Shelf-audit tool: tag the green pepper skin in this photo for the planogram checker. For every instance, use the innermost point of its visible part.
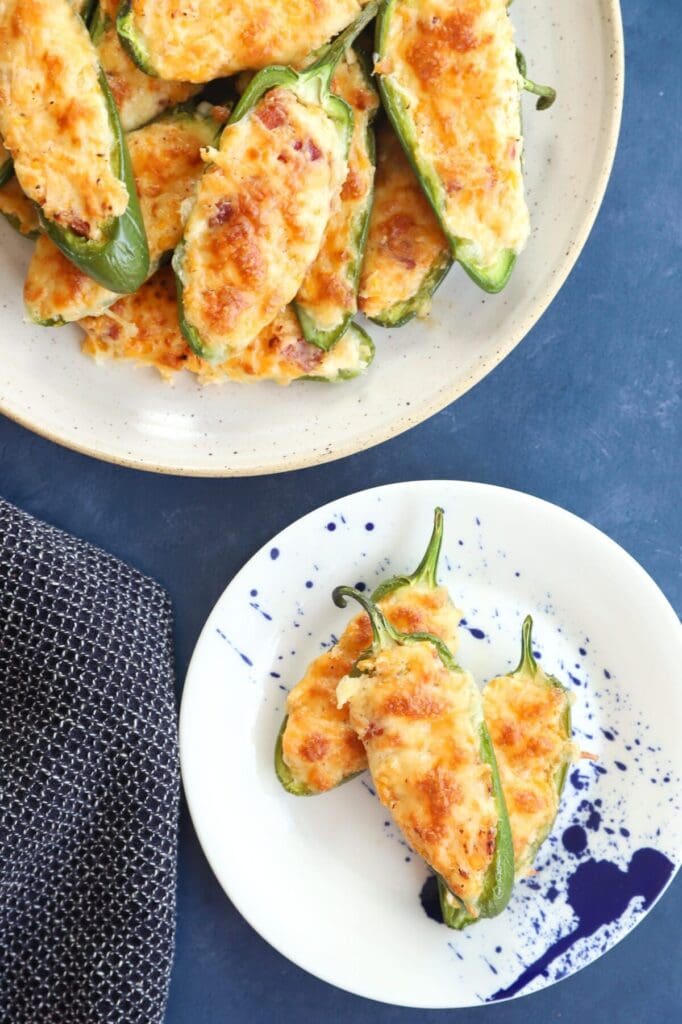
(499, 878)
(120, 262)
(125, 26)
(311, 85)
(312, 332)
(402, 312)
(366, 353)
(426, 574)
(6, 171)
(491, 277)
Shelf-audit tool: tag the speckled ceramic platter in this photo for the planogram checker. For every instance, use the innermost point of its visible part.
(128, 415)
(327, 879)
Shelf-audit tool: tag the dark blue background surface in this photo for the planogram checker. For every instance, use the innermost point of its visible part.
(585, 413)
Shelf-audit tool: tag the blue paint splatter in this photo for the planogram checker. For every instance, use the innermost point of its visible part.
(361, 586)
(619, 764)
(575, 839)
(275, 675)
(241, 654)
(274, 554)
(477, 633)
(607, 673)
(369, 527)
(599, 893)
(257, 608)
(331, 527)
(608, 734)
(309, 584)
(582, 651)
(254, 593)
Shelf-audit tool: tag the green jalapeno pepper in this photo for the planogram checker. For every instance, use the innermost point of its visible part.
(312, 88)
(327, 299)
(325, 671)
(18, 210)
(484, 891)
(6, 165)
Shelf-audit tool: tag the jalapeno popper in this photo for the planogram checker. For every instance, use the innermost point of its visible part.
(317, 748)
(144, 327)
(420, 720)
(263, 204)
(451, 86)
(528, 714)
(138, 97)
(59, 122)
(407, 255)
(211, 39)
(166, 161)
(18, 210)
(327, 299)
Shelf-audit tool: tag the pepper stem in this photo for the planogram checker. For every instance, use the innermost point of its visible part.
(527, 663)
(330, 55)
(546, 93)
(386, 635)
(427, 570)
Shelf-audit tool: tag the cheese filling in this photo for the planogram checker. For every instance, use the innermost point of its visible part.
(54, 117)
(454, 64)
(208, 39)
(419, 724)
(259, 218)
(15, 206)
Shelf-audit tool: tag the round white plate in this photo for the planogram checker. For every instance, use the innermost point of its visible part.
(128, 415)
(327, 880)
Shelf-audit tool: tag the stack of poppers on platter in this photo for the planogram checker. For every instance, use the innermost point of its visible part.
(239, 239)
(472, 778)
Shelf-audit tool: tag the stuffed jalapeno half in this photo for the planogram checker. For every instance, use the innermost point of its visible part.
(18, 210)
(406, 255)
(144, 328)
(213, 39)
(263, 203)
(166, 162)
(420, 720)
(317, 748)
(451, 86)
(327, 298)
(59, 122)
(528, 714)
(138, 97)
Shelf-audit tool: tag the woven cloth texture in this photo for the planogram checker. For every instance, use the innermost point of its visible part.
(89, 783)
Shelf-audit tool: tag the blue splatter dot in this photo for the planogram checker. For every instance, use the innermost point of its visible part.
(331, 527)
(478, 521)
(274, 554)
(309, 584)
(552, 893)
(387, 823)
(275, 675)
(582, 651)
(254, 593)
(517, 574)
(407, 860)
(537, 655)
(619, 764)
(575, 839)
(361, 586)
(461, 543)
(607, 673)
(498, 949)
(369, 527)
(608, 734)
(625, 832)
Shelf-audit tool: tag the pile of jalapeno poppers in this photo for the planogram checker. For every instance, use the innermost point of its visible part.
(473, 779)
(238, 238)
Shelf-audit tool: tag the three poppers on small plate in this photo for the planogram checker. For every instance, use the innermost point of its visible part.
(279, 228)
(473, 779)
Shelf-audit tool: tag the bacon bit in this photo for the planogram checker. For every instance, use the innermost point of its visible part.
(221, 114)
(399, 240)
(383, 66)
(313, 151)
(224, 210)
(304, 355)
(490, 842)
(298, 145)
(77, 225)
(283, 158)
(453, 186)
(587, 756)
(314, 748)
(372, 732)
(271, 113)
(113, 330)
(353, 185)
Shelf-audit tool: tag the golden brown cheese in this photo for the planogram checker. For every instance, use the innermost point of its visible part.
(54, 118)
(144, 327)
(419, 724)
(210, 39)
(405, 241)
(328, 289)
(20, 211)
(259, 218)
(166, 160)
(139, 97)
(526, 720)
(319, 745)
(455, 64)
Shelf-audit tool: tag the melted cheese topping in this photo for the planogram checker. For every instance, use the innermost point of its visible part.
(139, 97)
(54, 117)
(167, 164)
(319, 745)
(208, 39)
(15, 205)
(419, 724)
(328, 291)
(526, 718)
(454, 62)
(405, 242)
(260, 215)
(144, 327)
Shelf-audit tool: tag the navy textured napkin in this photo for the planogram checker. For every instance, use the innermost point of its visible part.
(89, 783)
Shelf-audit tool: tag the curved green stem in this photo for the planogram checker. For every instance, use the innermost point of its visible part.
(546, 93)
(426, 573)
(527, 664)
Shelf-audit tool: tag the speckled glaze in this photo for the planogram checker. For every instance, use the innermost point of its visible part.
(327, 880)
(127, 415)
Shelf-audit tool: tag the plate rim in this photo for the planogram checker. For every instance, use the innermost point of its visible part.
(612, 15)
(664, 608)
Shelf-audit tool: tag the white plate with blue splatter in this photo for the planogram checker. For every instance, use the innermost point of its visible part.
(327, 880)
